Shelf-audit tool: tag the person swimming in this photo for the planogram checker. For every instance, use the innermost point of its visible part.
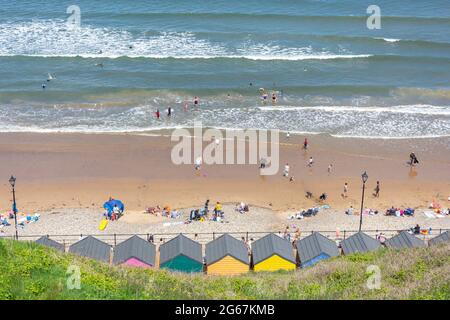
(157, 114)
(169, 111)
(196, 100)
(274, 98)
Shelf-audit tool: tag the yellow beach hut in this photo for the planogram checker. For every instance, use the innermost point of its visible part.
(272, 253)
(227, 256)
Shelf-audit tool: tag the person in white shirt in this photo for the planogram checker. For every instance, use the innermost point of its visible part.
(286, 170)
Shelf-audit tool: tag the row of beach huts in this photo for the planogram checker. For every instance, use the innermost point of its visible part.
(228, 256)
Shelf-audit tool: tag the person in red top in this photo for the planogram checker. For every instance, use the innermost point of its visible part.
(157, 114)
(305, 144)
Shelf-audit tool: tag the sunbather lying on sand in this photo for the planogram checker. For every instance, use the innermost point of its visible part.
(154, 210)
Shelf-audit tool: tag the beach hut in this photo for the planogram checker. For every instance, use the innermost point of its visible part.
(443, 237)
(135, 252)
(93, 248)
(272, 253)
(46, 241)
(227, 256)
(181, 254)
(314, 248)
(405, 240)
(359, 242)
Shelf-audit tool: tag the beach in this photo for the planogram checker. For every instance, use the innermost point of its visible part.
(60, 172)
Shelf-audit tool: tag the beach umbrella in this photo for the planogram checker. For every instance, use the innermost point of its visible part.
(109, 205)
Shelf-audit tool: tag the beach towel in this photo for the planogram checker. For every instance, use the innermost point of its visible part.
(103, 225)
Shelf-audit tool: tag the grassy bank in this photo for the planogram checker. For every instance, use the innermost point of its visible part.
(30, 271)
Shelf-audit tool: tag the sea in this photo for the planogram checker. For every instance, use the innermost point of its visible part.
(107, 66)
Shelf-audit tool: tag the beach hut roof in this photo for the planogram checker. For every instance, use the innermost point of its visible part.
(314, 245)
(359, 242)
(180, 245)
(443, 237)
(92, 248)
(269, 245)
(405, 240)
(46, 241)
(226, 245)
(135, 247)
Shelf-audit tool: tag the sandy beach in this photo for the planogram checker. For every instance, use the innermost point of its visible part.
(73, 174)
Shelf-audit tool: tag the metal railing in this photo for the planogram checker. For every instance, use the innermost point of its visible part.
(205, 237)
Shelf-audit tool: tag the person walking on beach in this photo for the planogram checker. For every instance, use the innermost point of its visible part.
(330, 167)
(345, 194)
(198, 163)
(286, 170)
(413, 159)
(305, 144)
(376, 193)
(262, 163)
(310, 162)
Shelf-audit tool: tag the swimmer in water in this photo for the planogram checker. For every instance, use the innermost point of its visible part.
(169, 111)
(274, 98)
(264, 98)
(196, 100)
(185, 107)
(43, 86)
(157, 114)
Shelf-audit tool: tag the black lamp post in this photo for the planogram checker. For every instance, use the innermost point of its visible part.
(364, 177)
(12, 182)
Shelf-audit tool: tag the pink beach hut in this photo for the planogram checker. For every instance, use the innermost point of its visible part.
(135, 252)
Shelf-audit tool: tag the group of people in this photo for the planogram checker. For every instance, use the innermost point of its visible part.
(265, 96)
(203, 213)
(113, 214)
(399, 212)
(170, 110)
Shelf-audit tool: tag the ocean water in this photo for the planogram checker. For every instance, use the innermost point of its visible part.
(129, 58)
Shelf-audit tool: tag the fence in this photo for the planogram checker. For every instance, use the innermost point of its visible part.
(205, 237)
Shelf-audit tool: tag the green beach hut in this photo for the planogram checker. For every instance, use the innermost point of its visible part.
(181, 254)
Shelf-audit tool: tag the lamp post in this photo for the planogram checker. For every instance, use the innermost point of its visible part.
(12, 182)
(364, 178)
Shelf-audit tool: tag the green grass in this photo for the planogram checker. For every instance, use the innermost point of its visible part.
(30, 271)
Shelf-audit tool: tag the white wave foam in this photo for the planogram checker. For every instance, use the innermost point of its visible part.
(405, 109)
(52, 38)
(391, 40)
